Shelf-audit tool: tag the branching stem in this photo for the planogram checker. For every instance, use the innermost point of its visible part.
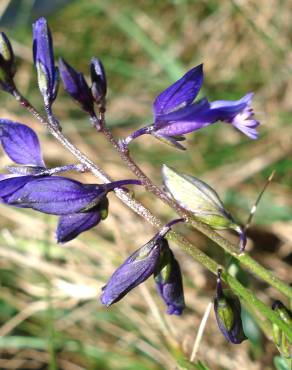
(137, 207)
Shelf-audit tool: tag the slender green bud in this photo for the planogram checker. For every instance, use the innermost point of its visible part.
(280, 339)
(7, 62)
(228, 313)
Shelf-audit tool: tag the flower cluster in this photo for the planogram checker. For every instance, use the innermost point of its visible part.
(31, 184)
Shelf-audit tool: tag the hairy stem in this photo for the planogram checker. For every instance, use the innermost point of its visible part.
(137, 207)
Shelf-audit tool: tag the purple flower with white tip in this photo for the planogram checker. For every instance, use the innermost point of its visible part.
(76, 86)
(176, 113)
(43, 56)
(169, 284)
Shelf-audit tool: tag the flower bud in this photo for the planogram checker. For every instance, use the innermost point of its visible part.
(76, 86)
(43, 56)
(7, 61)
(135, 270)
(99, 84)
(201, 200)
(280, 338)
(169, 282)
(228, 314)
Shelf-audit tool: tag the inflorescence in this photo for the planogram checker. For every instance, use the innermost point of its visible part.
(31, 184)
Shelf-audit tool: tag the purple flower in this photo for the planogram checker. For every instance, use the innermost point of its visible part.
(195, 116)
(169, 283)
(61, 196)
(99, 84)
(176, 113)
(81, 206)
(135, 270)
(228, 314)
(76, 86)
(31, 185)
(43, 56)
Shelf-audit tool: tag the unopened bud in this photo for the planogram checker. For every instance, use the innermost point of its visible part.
(201, 200)
(99, 84)
(228, 314)
(7, 61)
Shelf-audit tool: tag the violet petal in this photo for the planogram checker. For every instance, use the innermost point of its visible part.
(20, 143)
(169, 284)
(12, 183)
(70, 226)
(181, 93)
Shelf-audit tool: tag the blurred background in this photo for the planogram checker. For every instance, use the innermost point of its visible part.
(50, 313)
